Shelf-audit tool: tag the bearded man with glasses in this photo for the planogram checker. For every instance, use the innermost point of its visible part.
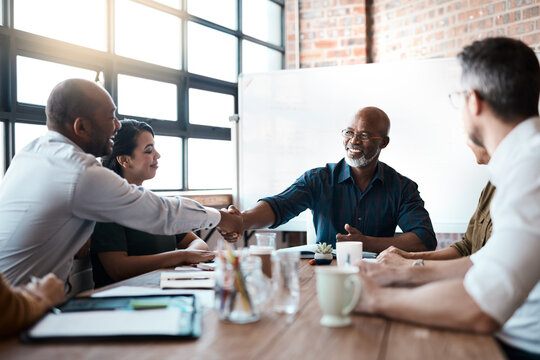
(357, 199)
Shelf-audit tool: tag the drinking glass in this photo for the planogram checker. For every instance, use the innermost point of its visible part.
(286, 283)
(241, 288)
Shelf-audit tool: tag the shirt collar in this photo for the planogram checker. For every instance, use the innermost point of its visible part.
(510, 148)
(344, 172)
(55, 136)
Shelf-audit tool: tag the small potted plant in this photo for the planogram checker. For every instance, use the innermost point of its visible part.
(323, 254)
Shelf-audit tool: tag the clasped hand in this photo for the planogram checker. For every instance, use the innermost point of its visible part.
(231, 225)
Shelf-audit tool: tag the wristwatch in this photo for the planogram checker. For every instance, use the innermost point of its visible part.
(418, 262)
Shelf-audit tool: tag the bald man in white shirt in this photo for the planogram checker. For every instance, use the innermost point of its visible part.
(55, 190)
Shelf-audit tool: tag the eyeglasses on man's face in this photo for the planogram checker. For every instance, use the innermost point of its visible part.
(363, 136)
(457, 98)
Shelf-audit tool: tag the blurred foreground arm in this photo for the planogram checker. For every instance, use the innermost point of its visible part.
(23, 306)
(389, 275)
(443, 304)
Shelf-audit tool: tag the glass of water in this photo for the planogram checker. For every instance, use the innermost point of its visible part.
(286, 283)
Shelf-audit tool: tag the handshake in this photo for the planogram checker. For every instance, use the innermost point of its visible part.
(231, 225)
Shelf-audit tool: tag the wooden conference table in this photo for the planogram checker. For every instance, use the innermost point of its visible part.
(273, 337)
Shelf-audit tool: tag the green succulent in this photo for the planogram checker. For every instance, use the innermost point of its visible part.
(324, 249)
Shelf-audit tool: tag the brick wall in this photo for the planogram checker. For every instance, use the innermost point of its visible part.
(440, 28)
(333, 32)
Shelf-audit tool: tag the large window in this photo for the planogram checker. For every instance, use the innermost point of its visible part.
(47, 74)
(171, 63)
(74, 21)
(25, 133)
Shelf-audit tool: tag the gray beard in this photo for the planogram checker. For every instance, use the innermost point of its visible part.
(362, 161)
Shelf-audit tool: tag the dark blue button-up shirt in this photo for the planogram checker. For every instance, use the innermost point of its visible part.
(334, 198)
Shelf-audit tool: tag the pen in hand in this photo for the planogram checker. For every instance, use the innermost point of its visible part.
(49, 291)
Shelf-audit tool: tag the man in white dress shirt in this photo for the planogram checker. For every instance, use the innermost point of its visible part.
(55, 190)
(497, 289)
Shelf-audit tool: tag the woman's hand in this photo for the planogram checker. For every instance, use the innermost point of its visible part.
(195, 256)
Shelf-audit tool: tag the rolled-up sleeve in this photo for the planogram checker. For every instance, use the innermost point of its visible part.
(413, 217)
(293, 200)
(507, 267)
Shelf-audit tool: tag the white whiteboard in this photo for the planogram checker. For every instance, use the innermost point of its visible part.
(290, 122)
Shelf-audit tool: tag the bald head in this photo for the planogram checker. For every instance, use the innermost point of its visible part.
(70, 99)
(85, 113)
(376, 117)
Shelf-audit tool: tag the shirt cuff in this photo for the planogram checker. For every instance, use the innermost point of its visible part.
(427, 238)
(270, 201)
(214, 217)
(483, 292)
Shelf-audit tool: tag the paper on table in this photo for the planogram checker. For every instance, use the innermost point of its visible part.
(199, 267)
(183, 280)
(172, 275)
(205, 297)
(186, 268)
(206, 266)
(106, 323)
(187, 284)
(130, 291)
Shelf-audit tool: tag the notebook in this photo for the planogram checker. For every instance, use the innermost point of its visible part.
(120, 318)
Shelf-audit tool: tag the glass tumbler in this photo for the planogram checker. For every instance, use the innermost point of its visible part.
(286, 283)
(241, 288)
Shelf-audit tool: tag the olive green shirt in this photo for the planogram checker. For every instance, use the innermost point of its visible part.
(113, 237)
(479, 229)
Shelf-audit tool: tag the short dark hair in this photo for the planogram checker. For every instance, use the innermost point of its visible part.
(505, 73)
(125, 142)
(67, 101)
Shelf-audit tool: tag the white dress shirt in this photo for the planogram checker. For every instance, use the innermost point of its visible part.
(504, 278)
(54, 192)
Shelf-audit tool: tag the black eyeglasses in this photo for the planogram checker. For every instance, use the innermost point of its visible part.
(364, 136)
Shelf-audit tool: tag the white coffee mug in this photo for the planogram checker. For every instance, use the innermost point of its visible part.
(351, 250)
(338, 291)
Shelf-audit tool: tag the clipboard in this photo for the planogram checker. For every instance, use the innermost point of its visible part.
(123, 318)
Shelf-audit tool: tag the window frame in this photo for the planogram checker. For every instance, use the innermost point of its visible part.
(15, 43)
